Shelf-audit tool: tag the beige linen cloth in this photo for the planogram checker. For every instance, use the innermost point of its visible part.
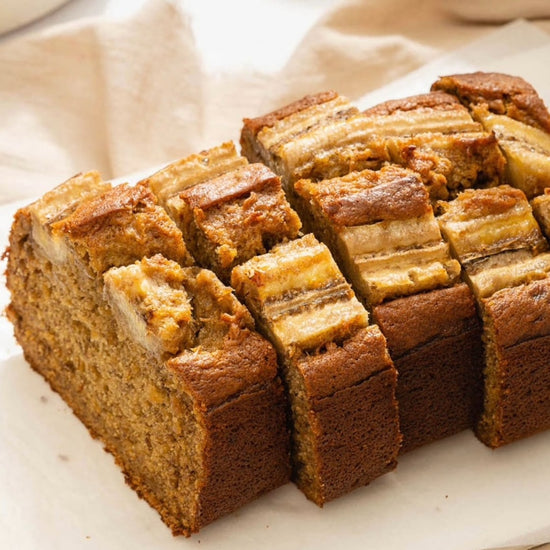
(126, 95)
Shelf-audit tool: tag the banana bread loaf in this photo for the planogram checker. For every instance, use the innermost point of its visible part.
(495, 236)
(338, 373)
(158, 360)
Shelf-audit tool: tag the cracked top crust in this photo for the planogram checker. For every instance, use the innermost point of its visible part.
(503, 94)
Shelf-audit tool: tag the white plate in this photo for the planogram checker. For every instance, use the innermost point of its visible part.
(59, 490)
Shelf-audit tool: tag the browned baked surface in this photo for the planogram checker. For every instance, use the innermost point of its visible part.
(121, 226)
(381, 228)
(451, 163)
(434, 100)
(517, 374)
(353, 410)
(434, 339)
(233, 217)
(484, 222)
(339, 376)
(502, 94)
(227, 209)
(520, 314)
(254, 125)
(368, 197)
(160, 362)
(171, 180)
(435, 135)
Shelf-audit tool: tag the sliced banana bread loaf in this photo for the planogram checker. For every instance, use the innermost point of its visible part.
(159, 361)
(381, 227)
(506, 260)
(336, 367)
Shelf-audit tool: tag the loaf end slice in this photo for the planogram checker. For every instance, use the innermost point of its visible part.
(159, 361)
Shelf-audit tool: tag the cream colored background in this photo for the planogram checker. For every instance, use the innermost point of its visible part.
(150, 81)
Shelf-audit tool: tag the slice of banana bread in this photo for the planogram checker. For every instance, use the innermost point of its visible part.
(436, 136)
(159, 361)
(503, 94)
(317, 137)
(228, 212)
(496, 238)
(339, 376)
(381, 227)
(509, 107)
(505, 257)
(517, 372)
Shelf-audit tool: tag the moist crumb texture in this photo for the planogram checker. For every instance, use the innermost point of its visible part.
(158, 360)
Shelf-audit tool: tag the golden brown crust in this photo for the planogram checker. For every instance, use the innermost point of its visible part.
(229, 186)
(245, 360)
(250, 431)
(391, 193)
(432, 100)
(254, 125)
(502, 93)
(229, 219)
(121, 226)
(480, 203)
(435, 341)
(350, 391)
(439, 387)
(101, 211)
(521, 313)
(450, 163)
(362, 355)
(368, 445)
(480, 224)
(440, 313)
